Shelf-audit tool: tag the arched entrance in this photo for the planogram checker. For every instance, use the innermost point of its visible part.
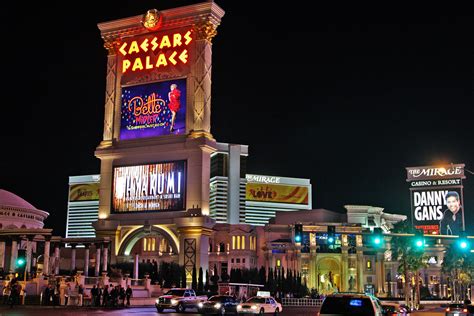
(150, 242)
(329, 275)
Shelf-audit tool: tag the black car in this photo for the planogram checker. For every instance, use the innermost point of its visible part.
(219, 304)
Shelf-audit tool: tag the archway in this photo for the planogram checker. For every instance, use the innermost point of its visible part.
(329, 275)
(130, 240)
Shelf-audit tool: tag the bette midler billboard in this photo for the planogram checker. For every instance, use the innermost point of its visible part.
(151, 187)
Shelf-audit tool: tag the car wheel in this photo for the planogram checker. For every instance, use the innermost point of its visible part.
(262, 311)
(159, 309)
(276, 311)
(222, 311)
(180, 308)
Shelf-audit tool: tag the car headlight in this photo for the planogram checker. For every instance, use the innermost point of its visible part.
(157, 301)
(200, 305)
(254, 307)
(239, 306)
(174, 302)
(217, 305)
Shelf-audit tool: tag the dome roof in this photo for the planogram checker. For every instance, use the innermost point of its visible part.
(13, 200)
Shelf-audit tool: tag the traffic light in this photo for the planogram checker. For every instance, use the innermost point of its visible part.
(419, 240)
(298, 233)
(463, 243)
(21, 259)
(331, 234)
(377, 239)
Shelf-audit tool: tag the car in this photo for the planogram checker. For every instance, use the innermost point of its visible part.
(353, 304)
(179, 299)
(219, 304)
(457, 309)
(260, 305)
(393, 309)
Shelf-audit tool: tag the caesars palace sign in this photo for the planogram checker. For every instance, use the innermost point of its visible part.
(156, 51)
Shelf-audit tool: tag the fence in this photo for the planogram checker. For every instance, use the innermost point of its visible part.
(307, 302)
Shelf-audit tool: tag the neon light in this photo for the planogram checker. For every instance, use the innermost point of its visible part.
(164, 54)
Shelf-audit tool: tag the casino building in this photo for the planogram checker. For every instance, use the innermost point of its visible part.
(170, 192)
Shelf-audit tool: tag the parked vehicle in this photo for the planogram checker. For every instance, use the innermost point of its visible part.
(351, 304)
(179, 299)
(393, 309)
(260, 305)
(456, 309)
(219, 304)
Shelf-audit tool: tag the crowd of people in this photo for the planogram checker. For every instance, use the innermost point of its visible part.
(12, 293)
(111, 296)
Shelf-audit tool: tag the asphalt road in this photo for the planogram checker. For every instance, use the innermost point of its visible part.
(142, 311)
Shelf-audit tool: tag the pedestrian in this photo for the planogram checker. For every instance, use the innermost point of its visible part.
(94, 293)
(128, 294)
(105, 296)
(122, 296)
(6, 294)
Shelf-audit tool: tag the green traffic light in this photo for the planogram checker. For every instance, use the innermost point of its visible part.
(20, 262)
(297, 238)
(419, 243)
(463, 244)
(377, 241)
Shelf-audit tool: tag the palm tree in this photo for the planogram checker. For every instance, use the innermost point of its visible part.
(410, 260)
(458, 265)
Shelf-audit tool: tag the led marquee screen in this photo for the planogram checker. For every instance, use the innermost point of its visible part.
(152, 187)
(154, 109)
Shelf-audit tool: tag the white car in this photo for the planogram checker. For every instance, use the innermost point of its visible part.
(260, 305)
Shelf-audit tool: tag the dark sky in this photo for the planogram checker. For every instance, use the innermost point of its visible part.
(345, 97)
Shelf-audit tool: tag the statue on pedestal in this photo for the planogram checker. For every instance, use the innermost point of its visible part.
(351, 283)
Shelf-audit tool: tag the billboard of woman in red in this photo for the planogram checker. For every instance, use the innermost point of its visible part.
(174, 103)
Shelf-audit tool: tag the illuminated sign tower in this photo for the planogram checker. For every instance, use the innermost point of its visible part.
(157, 142)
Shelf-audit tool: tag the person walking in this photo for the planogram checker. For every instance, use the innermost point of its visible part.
(128, 294)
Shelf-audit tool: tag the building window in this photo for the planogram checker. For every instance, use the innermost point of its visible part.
(149, 244)
(369, 265)
(278, 263)
(238, 242)
(233, 242)
(243, 260)
(243, 242)
(232, 260)
(237, 260)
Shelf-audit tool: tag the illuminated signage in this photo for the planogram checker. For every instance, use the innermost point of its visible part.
(152, 187)
(430, 172)
(154, 52)
(262, 179)
(154, 109)
(84, 192)
(436, 198)
(275, 193)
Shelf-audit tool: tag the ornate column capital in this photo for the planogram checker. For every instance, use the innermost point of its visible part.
(111, 44)
(205, 30)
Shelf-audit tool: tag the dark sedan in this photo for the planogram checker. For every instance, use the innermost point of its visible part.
(219, 304)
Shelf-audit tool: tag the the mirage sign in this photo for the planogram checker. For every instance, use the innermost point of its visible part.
(436, 199)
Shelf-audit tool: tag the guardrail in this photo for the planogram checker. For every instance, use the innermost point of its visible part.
(137, 282)
(307, 302)
(91, 280)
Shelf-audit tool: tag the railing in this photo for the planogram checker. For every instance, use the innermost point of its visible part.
(91, 280)
(290, 301)
(137, 282)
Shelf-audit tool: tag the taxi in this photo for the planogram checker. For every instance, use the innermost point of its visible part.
(260, 304)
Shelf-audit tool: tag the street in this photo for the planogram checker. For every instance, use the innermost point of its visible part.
(145, 311)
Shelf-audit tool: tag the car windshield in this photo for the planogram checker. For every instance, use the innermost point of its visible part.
(354, 306)
(258, 300)
(217, 298)
(175, 292)
(456, 305)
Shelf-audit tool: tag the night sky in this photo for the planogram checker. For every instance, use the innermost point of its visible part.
(345, 97)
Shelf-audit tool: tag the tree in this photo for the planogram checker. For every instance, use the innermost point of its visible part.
(183, 277)
(262, 277)
(200, 285)
(206, 285)
(194, 280)
(458, 265)
(410, 259)
(214, 279)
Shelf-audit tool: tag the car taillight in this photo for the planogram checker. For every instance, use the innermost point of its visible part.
(447, 309)
(465, 310)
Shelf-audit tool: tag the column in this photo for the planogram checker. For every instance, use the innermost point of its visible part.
(135, 266)
(105, 257)
(56, 257)
(379, 275)
(28, 253)
(2, 254)
(97, 259)
(86, 260)
(344, 269)
(360, 271)
(233, 192)
(14, 255)
(73, 257)
(46, 255)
